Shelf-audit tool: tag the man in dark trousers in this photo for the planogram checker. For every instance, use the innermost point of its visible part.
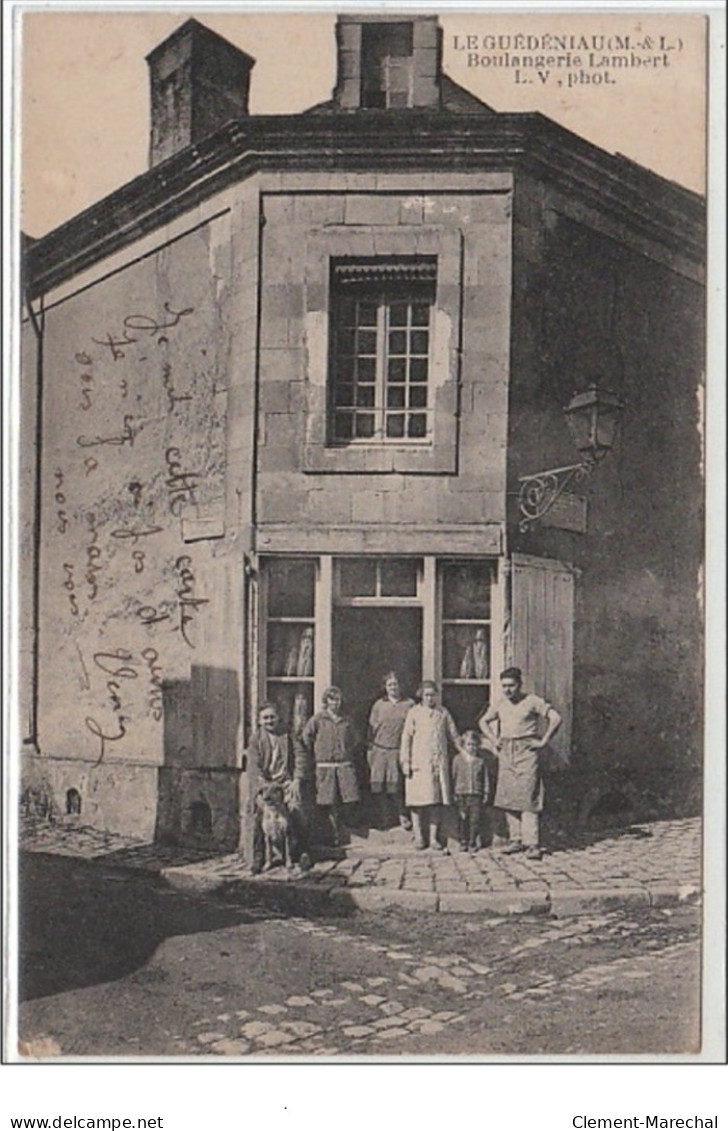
(275, 758)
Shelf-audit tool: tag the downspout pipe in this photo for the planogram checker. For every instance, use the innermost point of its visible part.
(37, 321)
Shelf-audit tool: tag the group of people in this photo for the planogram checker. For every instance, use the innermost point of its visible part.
(418, 763)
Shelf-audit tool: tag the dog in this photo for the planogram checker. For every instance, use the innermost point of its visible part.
(275, 823)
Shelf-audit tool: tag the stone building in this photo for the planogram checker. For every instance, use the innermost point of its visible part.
(279, 394)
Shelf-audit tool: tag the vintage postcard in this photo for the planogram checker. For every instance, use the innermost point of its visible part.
(360, 658)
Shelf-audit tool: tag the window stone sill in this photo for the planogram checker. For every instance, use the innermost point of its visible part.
(431, 459)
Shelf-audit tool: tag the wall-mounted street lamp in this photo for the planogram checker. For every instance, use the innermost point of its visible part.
(593, 418)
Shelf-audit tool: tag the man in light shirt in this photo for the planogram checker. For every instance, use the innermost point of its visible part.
(518, 725)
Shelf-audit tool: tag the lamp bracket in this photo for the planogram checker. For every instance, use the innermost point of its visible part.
(537, 493)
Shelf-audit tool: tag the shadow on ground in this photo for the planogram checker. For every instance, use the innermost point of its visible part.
(559, 841)
(85, 921)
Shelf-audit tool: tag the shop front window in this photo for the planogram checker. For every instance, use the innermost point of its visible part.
(466, 639)
(289, 647)
(378, 579)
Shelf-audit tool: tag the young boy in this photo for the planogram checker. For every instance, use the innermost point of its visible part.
(471, 786)
(329, 740)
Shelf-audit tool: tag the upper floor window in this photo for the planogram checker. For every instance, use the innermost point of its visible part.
(381, 330)
(387, 65)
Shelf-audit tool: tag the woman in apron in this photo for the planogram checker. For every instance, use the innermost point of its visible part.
(424, 756)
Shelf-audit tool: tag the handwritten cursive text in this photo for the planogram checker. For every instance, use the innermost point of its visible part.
(188, 603)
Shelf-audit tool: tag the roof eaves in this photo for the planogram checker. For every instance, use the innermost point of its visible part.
(325, 142)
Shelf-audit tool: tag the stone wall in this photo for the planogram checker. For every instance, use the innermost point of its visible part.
(139, 672)
(593, 304)
(456, 483)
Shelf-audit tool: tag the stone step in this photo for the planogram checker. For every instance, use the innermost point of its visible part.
(377, 842)
(385, 851)
(393, 836)
(392, 842)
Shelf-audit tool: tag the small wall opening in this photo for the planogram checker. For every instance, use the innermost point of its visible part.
(73, 803)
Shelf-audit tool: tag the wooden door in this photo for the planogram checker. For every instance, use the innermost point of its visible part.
(540, 637)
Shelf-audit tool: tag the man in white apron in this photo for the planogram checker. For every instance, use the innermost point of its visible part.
(518, 726)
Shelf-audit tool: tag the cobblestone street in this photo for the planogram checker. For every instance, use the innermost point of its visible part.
(640, 865)
(125, 966)
(117, 961)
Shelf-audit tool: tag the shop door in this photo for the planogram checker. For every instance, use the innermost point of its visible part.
(541, 636)
(369, 642)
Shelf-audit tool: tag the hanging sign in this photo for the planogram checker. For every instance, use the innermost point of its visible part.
(568, 512)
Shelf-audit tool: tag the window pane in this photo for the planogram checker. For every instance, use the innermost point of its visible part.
(290, 587)
(419, 341)
(290, 649)
(365, 368)
(395, 426)
(366, 342)
(420, 314)
(465, 704)
(367, 314)
(365, 425)
(395, 396)
(418, 396)
(343, 425)
(398, 577)
(365, 396)
(417, 426)
(398, 314)
(465, 651)
(466, 590)
(357, 577)
(397, 341)
(345, 342)
(397, 369)
(344, 368)
(294, 702)
(343, 395)
(418, 369)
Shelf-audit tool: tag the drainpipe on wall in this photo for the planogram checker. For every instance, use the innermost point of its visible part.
(250, 696)
(37, 321)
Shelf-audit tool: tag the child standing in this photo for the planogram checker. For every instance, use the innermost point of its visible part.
(471, 786)
(386, 723)
(330, 741)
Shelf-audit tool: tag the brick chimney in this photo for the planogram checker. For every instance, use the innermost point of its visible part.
(198, 82)
(388, 62)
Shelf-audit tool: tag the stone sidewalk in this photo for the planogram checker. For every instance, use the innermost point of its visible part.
(642, 865)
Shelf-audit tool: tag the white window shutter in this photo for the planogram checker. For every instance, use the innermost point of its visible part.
(540, 636)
